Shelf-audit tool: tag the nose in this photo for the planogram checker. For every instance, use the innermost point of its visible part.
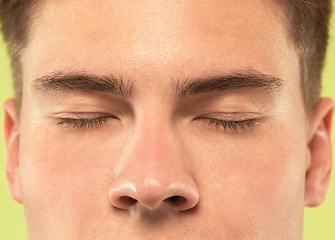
(152, 193)
(154, 175)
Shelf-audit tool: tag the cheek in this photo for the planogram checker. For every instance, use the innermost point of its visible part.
(255, 179)
(63, 175)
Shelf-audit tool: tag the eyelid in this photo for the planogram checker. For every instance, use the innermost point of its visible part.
(79, 120)
(231, 116)
(231, 121)
(83, 115)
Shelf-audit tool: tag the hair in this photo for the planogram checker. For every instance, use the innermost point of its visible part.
(16, 17)
(307, 24)
(308, 27)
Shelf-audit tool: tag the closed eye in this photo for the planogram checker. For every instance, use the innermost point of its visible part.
(246, 124)
(78, 123)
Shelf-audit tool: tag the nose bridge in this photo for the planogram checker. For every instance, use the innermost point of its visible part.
(153, 158)
(154, 173)
(156, 143)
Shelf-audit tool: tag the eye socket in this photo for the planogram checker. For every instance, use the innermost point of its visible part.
(78, 123)
(244, 125)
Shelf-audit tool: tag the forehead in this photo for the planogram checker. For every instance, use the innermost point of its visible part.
(178, 38)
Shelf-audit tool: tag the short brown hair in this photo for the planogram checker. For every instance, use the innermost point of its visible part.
(307, 20)
(308, 27)
(15, 17)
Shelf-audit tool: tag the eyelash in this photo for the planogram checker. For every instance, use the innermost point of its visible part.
(78, 123)
(243, 125)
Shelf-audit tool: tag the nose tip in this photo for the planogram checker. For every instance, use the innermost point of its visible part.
(153, 195)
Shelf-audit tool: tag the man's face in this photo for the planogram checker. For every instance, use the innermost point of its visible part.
(162, 120)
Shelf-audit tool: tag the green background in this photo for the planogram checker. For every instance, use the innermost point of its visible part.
(319, 222)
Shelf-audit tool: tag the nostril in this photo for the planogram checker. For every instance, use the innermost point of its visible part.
(177, 201)
(126, 202)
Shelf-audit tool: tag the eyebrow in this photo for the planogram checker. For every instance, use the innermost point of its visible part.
(83, 83)
(230, 82)
(87, 83)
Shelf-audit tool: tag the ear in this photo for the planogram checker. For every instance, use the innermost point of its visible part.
(320, 153)
(12, 137)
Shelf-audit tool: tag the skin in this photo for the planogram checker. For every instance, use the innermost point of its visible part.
(156, 168)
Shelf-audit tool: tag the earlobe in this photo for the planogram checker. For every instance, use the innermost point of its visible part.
(320, 153)
(12, 137)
